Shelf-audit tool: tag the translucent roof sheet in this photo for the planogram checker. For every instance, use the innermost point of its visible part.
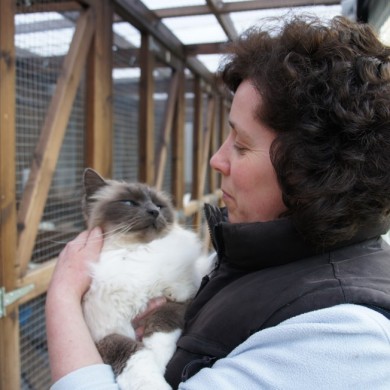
(49, 33)
(196, 29)
(244, 20)
(159, 4)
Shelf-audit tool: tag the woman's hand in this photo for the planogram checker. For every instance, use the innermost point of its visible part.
(70, 343)
(138, 322)
(71, 276)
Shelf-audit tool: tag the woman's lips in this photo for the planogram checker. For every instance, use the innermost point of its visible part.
(226, 195)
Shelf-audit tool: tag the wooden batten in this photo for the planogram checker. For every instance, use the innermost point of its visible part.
(146, 113)
(99, 133)
(39, 277)
(167, 130)
(197, 146)
(206, 142)
(214, 137)
(65, 6)
(90, 59)
(9, 324)
(50, 141)
(178, 178)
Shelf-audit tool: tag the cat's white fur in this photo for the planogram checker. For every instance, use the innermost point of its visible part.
(125, 278)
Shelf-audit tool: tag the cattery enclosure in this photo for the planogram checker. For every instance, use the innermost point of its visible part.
(107, 84)
(86, 84)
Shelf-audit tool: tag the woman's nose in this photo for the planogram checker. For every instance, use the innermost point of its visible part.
(219, 162)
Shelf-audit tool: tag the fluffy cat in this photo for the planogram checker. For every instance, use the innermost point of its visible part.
(145, 254)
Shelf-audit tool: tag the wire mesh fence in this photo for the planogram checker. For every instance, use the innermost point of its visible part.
(42, 40)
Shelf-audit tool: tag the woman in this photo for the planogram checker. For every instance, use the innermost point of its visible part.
(301, 289)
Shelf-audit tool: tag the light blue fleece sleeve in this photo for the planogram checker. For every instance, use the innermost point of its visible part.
(340, 348)
(96, 377)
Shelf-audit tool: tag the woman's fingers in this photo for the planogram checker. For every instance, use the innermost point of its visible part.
(72, 272)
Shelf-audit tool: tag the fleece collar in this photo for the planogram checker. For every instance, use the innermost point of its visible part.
(258, 245)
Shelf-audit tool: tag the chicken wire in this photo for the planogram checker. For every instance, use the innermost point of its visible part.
(42, 40)
(126, 80)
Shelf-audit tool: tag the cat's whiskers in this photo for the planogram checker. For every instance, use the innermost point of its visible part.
(124, 228)
(121, 233)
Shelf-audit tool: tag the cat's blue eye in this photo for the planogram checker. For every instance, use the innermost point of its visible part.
(128, 202)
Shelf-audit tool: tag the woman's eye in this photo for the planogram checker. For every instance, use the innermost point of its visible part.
(128, 202)
(240, 149)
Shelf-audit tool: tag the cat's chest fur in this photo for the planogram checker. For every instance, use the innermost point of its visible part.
(126, 277)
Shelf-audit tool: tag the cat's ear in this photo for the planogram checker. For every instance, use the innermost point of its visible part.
(92, 182)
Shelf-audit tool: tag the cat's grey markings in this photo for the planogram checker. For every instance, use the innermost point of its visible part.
(116, 349)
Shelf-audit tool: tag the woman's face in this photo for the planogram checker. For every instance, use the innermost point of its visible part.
(250, 188)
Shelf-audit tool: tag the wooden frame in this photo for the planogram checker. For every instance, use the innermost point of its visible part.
(167, 129)
(52, 134)
(9, 325)
(146, 116)
(99, 92)
(90, 54)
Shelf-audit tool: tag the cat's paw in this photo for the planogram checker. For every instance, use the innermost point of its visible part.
(141, 381)
(179, 291)
(143, 372)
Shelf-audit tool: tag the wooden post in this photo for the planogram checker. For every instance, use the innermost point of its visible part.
(206, 144)
(198, 146)
(167, 130)
(99, 92)
(215, 135)
(146, 112)
(9, 325)
(178, 144)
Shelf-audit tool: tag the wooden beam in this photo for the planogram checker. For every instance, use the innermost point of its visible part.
(9, 325)
(167, 130)
(146, 112)
(147, 22)
(40, 277)
(197, 143)
(214, 141)
(223, 19)
(195, 206)
(252, 5)
(99, 136)
(206, 142)
(178, 179)
(190, 10)
(205, 165)
(50, 141)
(206, 48)
(65, 6)
(223, 130)
(238, 6)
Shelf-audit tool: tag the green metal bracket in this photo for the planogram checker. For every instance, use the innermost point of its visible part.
(7, 298)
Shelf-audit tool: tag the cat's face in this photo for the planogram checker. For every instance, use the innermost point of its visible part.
(131, 209)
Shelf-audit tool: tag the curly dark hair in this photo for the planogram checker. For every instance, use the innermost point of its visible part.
(325, 88)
